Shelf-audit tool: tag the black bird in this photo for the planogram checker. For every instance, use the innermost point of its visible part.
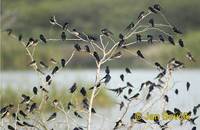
(150, 38)
(176, 30)
(122, 77)
(43, 65)
(159, 66)
(5, 114)
(77, 47)
(176, 91)
(195, 109)
(190, 57)
(77, 114)
(19, 124)
(42, 38)
(63, 62)
(121, 37)
(11, 127)
(125, 97)
(130, 91)
(26, 99)
(177, 111)
(30, 42)
(169, 112)
(4, 109)
(69, 105)
(141, 15)
(152, 10)
(188, 86)
(66, 25)
(127, 70)
(180, 41)
(87, 48)
(27, 124)
(20, 37)
(92, 38)
(138, 38)
(54, 70)
(157, 7)
(166, 98)
(83, 91)
(128, 84)
(151, 21)
(129, 27)
(107, 70)
(35, 90)
(48, 77)
(52, 117)
(121, 105)
(9, 31)
(148, 96)
(107, 78)
(93, 110)
(96, 55)
(106, 32)
(161, 38)
(134, 96)
(73, 88)
(121, 43)
(138, 118)
(194, 128)
(118, 125)
(52, 20)
(55, 102)
(63, 36)
(118, 91)
(22, 113)
(139, 53)
(171, 40)
(33, 107)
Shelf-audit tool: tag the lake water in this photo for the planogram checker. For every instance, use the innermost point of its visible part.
(184, 100)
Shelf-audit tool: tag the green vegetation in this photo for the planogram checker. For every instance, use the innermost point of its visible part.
(11, 95)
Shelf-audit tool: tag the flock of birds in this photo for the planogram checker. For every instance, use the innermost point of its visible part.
(29, 106)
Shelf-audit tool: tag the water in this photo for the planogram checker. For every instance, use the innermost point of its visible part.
(185, 100)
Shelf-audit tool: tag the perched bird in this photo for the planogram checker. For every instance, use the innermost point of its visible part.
(52, 20)
(194, 128)
(106, 78)
(26, 99)
(65, 25)
(33, 107)
(157, 7)
(151, 21)
(63, 36)
(188, 86)
(190, 57)
(48, 77)
(42, 38)
(96, 56)
(180, 41)
(22, 113)
(128, 84)
(159, 66)
(130, 91)
(129, 27)
(54, 70)
(150, 38)
(121, 105)
(20, 37)
(35, 90)
(30, 42)
(138, 38)
(43, 89)
(166, 98)
(118, 91)
(171, 40)
(32, 63)
(87, 48)
(121, 37)
(19, 124)
(55, 102)
(73, 88)
(139, 53)
(122, 77)
(63, 62)
(152, 10)
(107, 70)
(93, 110)
(148, 96)
(11, 127)
(69, 105)
(125, 97)
(121, 43)
(176, 30)
(77, 47)
(52, 117)
(138, 118)
(77, 114)
(118, 125)
(176, 91)
(141, 15)
(161, 38)
(134, 96)
(106, 32)
(83, 91)
(127, 70)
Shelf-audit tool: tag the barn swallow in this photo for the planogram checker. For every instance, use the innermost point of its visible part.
(129, 27)
(121, 43)
(152, 10)
(35, 90)
(151, 21)
(69, 105)
(93, 110)
(127, 70)
(63, 62)
(176, 91)
(43, 89)
(83, 91)
(180, 41)
(161, 38)
(121, 105)
(6, 113)
(42, 38)
(30, 42)
(26, 99)
(22, 113)
(106, 32)
(65, 26)
(190, 57)
(54, 70)
(77, 114)
(157, 7)
(106, 78)
(33, 107)
(63, 36)
(77, 47)
(52, 117)
(96, 56)
(137, 118)
(192, 120)
(52, 20)
(176, 30)
(188, 86)
(159, 66)
(87, 48)
(141, 15)
(171, 40)
(130, 91)
(73, 88)
(166, 98)
(122, 77)
(125, 97)
(195, 108)
(48, 77)
(139, 53)
(118, 125)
